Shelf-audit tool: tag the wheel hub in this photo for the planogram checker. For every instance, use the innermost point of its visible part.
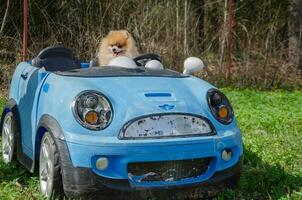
(7, 139)
(46, 168)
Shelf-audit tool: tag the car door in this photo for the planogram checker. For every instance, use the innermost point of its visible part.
(29, 82)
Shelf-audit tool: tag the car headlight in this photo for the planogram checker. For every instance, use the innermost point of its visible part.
(220, 106)
(92, 110)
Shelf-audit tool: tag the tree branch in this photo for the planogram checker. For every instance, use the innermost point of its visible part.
(5, 17)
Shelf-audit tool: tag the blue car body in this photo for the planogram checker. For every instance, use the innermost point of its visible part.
(40, 95)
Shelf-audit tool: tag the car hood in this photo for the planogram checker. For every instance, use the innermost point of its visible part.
(136, 96)
(132, 97)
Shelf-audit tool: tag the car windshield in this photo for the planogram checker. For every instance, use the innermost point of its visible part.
(119, 71)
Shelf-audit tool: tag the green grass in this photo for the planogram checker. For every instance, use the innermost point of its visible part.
(15, 181)
(271, 123)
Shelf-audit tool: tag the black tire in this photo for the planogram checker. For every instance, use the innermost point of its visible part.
(9, 122)
(52, 162)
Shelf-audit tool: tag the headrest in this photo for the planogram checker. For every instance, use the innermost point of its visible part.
(56, 58)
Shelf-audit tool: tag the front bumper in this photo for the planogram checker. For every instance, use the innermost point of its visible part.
(80, 175)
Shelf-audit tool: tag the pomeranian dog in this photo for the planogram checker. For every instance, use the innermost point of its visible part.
(116, 43)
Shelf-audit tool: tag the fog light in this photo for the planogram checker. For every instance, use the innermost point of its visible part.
(227, 154)
(102, 163)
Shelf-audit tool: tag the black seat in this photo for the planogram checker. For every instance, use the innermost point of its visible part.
(56, 58)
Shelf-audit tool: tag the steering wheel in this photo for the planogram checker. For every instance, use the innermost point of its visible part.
(142, 59)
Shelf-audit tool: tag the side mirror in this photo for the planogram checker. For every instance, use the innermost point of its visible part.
(192, 65)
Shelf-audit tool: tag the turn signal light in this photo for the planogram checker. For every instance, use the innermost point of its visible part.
(223, 112)
(91, 117)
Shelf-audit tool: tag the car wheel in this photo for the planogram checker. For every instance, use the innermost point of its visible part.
(49, 169)
(9, 129)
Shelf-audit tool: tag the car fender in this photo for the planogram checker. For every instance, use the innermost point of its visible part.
(52, 125)
(47, 123)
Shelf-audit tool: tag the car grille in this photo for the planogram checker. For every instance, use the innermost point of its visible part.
(167, 170)
(167, 125)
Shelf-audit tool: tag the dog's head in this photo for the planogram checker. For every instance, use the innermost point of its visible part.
(118, 42)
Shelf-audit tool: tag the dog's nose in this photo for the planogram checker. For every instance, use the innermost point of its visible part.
(114, 49)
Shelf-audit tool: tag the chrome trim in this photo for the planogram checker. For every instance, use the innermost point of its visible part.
(225, 102)
(79, 120)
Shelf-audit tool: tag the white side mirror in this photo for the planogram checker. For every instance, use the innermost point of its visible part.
(154, 64)
(192, 65)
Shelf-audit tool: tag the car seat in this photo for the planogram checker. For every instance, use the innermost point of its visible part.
(56, 58)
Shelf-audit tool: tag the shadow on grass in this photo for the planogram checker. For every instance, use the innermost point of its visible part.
(17, 183)
(14, 173)
(259, 180)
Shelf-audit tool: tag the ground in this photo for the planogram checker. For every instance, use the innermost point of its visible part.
(271, 123)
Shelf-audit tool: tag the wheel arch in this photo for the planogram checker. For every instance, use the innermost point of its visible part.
(10, 106)
(47, 123)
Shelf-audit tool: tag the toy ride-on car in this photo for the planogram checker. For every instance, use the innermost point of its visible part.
(129, 126)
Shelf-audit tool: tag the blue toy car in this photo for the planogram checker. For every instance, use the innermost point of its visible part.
(130, 126)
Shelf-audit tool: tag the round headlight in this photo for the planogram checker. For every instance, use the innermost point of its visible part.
(220, 106)
(92, 110)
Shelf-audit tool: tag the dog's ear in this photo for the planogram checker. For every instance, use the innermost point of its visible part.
(126, 33)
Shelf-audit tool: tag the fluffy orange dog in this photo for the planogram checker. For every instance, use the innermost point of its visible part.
(116, 43)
